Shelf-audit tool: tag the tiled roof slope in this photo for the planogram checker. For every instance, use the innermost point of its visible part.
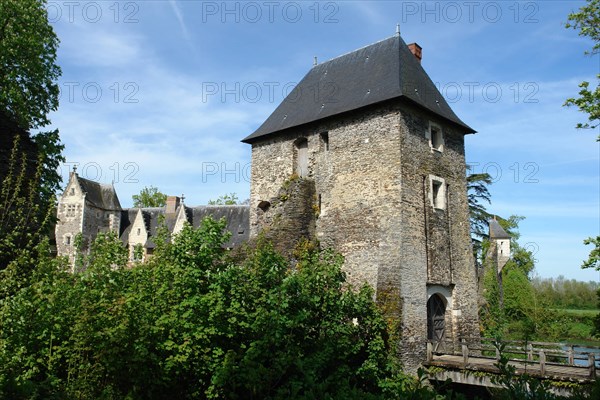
(496, 230)
(100, 195)
(382, 71)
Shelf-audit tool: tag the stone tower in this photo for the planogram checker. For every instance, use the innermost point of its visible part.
(499, 245)
(87, 208)
(386, 155)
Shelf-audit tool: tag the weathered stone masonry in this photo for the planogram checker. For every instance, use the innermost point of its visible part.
(389, 178)
(374, 169)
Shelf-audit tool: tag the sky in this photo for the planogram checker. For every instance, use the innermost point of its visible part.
(160, 93)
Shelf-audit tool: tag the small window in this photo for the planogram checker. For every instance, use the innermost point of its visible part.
(139, 231)
(68, 240)
(72, 193)
(325, 141)
(264, 205)
(437, 194)
(436, 137)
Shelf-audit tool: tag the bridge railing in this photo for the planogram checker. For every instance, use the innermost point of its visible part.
(525, 352)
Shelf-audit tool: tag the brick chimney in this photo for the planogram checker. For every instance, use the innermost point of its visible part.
(172, 204)
(416, 50)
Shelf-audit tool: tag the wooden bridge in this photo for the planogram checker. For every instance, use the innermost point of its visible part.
(475, 361)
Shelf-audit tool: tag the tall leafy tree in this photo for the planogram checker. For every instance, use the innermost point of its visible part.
(149, 196)
(477, 195)
(193, 323)
(28, 92)
(587, 22)
(225, 200)
(28, 69)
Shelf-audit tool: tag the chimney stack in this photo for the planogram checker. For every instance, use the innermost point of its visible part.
(416, 50)
(172, 204)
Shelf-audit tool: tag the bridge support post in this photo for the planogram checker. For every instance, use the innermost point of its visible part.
(529, 352)
(429, 351)
(542, 362)
(465, 354)
(571, 356)
(592, 364)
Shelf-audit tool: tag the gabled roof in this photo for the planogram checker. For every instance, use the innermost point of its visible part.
(382, 71)
(496, 230)
(237, 217)
(100, 195)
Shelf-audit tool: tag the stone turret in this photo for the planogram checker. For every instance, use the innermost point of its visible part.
(499, 251)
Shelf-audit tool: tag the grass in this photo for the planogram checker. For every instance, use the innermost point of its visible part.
(580, 313)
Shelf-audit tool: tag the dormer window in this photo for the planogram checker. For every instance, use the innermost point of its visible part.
(436, 137)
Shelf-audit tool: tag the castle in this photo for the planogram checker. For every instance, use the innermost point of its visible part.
(88, 208)
(378, 163)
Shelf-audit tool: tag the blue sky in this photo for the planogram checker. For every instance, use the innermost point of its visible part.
(161, 93)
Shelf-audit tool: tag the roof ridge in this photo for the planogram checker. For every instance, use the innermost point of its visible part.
(354, 51)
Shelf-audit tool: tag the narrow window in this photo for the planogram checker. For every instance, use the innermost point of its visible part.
(72, 192)
(325, 141)
(139, 231)
(302, 158)
(436, 137)
(68, 240)
(437, 194)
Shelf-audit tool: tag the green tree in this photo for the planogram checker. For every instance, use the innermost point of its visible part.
(191, 322)
(28, 69)
(587, 22)
(25, 219)
(593, 260)
(477, 195)
(28, 92)
(149, 197)
(522, 313)
(225, 200)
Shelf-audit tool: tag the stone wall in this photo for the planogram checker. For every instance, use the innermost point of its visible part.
(356, 181)
(290, 216)
(436, 256)
(373, 172)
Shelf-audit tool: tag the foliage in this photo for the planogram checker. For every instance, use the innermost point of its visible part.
(225, 200)
(587, 22)
(478, 194)
(562, 293)
(50, 151)
(596, 330)
(192, 323)
(593, 260)
(24, 219)
(521, 305)
(514, 386)
(149, 197)
(28, 69)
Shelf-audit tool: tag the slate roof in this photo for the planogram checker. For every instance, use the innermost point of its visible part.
(100, 195)
(237, 217)
(379, 72)
(496, 231)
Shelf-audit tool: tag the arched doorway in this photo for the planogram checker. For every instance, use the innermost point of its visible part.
(301, 158)
(436, 321)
